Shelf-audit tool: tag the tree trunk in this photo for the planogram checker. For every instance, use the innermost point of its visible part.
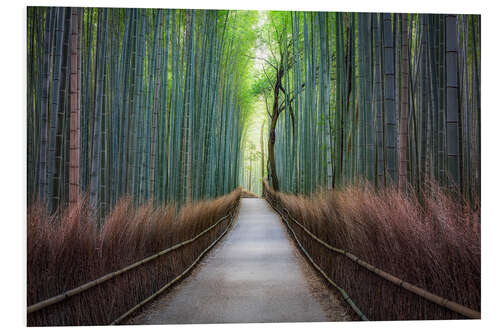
(272, 128)
(262, 151)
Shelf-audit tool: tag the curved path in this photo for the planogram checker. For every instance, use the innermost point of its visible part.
(255, 274)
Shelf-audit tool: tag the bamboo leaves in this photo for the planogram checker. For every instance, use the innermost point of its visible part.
(153, 85)
(391, 80)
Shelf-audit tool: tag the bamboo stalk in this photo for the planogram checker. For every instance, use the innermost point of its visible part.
(403, 132)
(74, 147)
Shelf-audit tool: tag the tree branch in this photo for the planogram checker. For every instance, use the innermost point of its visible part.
(282, 107)
(267, 77)
(264, 59)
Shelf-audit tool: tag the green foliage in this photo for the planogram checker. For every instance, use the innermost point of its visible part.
(341, 99)
(166, 95)
(170, 100)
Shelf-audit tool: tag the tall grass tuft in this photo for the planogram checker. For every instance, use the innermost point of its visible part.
(67, 249)
(433, 243)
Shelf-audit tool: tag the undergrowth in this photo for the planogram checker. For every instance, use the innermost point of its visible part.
(433, 243)
(67, 249)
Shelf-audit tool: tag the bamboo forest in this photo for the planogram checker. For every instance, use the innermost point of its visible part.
(149, 131)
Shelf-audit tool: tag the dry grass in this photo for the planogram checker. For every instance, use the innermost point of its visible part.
(433, 243)
(247, 194)
(66, 250)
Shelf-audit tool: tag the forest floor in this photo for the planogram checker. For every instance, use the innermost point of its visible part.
(255, 274)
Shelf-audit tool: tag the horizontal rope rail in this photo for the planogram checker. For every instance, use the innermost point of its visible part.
(75, 291)
(441, 301)
(165, 287)
(344, 294)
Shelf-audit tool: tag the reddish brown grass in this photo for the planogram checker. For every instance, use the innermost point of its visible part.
(433, 243)
(66, 250)
(247, 194)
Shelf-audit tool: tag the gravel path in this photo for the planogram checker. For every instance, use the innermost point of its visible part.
(255, 274)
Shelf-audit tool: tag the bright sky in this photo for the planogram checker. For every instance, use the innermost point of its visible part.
(261, 49)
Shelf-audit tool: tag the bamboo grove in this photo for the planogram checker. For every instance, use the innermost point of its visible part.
(140, 102)
(393, 99)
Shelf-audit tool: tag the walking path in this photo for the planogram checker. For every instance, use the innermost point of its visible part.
(255, 274)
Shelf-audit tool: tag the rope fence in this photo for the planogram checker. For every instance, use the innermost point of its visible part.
(286, 217)
(180, 276)
(441, 301)
(344, 294)
(78, 290)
